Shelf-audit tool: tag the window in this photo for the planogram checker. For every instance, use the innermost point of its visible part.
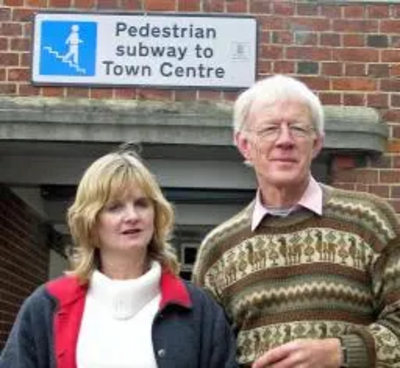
(188, 258)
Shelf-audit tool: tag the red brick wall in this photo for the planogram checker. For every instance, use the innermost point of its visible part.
(24, 257)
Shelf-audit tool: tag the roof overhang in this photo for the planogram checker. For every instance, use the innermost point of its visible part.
(196, 124)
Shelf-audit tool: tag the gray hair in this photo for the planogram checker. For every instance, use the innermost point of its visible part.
(275, 88)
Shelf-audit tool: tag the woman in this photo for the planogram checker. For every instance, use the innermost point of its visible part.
(122, 305)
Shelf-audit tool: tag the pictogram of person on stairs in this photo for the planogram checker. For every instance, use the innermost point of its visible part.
(73, 42)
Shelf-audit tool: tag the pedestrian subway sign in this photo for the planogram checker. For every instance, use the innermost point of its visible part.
(144, 50)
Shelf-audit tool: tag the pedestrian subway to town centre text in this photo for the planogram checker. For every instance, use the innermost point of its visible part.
(148, 58)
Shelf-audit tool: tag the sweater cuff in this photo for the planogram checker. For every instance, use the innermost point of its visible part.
(357, 354)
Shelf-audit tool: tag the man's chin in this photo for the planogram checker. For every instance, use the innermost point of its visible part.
(285, 181)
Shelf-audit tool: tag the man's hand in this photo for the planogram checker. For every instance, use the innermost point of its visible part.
(304, 353)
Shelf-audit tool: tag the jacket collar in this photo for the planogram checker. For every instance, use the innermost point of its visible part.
(68, 289)
(173, 291)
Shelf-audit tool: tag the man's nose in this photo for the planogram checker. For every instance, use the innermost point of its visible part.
(284, 136)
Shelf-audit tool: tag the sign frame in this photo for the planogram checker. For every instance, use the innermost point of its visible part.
(38, 79)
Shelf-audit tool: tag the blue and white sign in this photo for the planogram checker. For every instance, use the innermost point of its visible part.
(146, 50)
(68, 48)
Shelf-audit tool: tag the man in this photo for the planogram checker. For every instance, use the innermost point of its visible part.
(308, 274)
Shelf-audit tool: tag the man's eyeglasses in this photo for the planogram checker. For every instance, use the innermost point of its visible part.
(271, 132)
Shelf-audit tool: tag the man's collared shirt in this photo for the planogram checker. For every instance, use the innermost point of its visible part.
(311, 199)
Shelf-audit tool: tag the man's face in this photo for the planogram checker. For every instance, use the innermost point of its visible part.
(280, 141)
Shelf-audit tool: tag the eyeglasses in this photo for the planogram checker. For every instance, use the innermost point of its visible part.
(271, 132)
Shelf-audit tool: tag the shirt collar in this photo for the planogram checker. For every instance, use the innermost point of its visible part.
(311, 200)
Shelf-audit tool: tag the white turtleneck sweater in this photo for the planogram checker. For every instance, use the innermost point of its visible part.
(117, 321)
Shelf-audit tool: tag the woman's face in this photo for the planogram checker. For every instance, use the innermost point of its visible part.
(126, 224)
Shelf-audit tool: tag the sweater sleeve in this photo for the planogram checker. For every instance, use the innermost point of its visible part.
(210, 263)
(203, 275)
(378, 345)
(24, 347)
(380, 341)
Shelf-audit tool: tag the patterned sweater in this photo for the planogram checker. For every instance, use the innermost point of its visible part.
(310, 276)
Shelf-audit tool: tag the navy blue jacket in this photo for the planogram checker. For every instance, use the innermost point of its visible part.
(189, 330)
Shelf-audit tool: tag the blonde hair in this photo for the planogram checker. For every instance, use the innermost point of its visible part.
(276, 88)
(105, 180)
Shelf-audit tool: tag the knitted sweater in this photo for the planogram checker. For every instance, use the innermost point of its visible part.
(310, 276)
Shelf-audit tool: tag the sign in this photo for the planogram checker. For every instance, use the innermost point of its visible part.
(144, 50)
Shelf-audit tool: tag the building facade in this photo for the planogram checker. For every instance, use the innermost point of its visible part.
(348, 52)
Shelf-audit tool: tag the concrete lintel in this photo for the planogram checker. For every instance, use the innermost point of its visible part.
(355, 129)
(198, 123)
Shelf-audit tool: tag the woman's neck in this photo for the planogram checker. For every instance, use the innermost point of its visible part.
(123, 267)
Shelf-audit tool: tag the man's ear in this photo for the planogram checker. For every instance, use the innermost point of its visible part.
(318, 144)
(243, 144)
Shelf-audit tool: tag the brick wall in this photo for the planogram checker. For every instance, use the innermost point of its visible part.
(23, 256)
